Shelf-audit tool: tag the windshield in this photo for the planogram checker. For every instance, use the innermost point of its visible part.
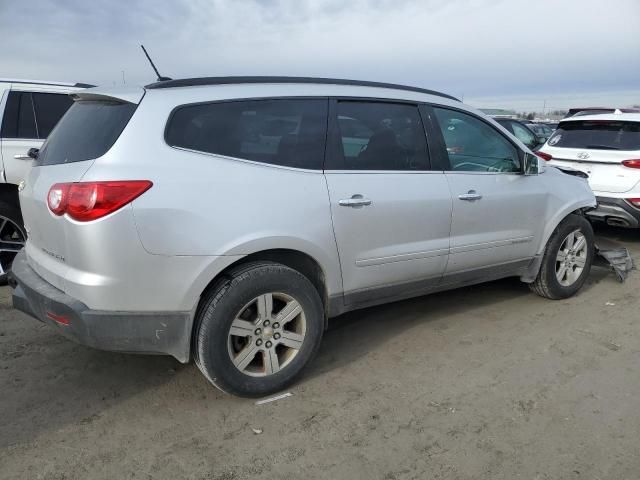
(598, 135)
(85, 132)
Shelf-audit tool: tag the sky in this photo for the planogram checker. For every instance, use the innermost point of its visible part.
(494, 53)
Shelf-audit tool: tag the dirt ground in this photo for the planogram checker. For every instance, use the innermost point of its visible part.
(488, 382)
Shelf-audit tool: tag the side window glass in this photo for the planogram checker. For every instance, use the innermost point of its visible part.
(49, 109)
(18, 120)
(279, 132)
(380, 136)
(475, 146)
(524, 135)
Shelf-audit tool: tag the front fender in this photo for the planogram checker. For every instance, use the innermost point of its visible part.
(557, 218)
(570, 194)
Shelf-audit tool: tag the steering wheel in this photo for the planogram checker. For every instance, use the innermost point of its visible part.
(499, 166)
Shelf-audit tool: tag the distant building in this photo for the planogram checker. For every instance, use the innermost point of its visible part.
(499, 112)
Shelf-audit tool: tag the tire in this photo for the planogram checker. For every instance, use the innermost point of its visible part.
(12, 232)
(236, 302)
(548, 284)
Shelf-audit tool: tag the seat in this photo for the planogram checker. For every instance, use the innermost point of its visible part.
(382, 152)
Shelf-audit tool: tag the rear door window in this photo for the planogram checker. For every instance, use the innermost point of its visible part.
(86, 132)
(597, 135)
(19, 120)
(379, 136)
(285, 132)
(49, 109)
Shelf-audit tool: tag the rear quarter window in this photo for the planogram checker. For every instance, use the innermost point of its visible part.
(597, 135)
(87, 131)
(275, 131)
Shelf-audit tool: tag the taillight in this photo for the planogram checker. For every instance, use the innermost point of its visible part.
(634, 201)
(61, 319)
(635, 163)
(544, 156)
(86, 201)
(57, 198)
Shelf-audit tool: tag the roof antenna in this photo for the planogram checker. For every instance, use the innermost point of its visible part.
(160, 77)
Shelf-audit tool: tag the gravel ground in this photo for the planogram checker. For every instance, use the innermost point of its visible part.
(488, 382)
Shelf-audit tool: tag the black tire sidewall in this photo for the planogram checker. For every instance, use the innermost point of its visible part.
(12, 212)
(227, 301)
(570, 224)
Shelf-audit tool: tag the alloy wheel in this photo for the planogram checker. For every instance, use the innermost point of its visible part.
(571, 258)
(12, 240)
(267, 334)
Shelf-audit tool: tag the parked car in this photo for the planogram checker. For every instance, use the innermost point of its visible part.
(607, 148)
(28, 112)
(225, 219)
(541, 130)
(580, 111)
(522, 132)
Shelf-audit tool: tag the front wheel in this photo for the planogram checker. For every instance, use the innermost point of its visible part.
(567, 259)
(258, 329)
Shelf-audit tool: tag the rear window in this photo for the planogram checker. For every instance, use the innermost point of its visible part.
(597, 135)
(85, 132)
(279, 132)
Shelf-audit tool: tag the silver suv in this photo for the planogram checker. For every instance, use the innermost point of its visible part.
(225, 219)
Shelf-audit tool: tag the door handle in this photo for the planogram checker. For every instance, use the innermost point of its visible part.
(22, 157)
(356, 200)
(470, 196)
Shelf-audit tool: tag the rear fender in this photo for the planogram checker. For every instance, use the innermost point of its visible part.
(328, 261)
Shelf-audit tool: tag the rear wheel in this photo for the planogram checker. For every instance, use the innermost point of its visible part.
(567, 259)
(258, 329)
(12, 237)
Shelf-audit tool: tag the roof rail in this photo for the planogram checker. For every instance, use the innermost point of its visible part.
(41, 82)
(193, 82)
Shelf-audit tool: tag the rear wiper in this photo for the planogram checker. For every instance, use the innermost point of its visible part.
(602, 147)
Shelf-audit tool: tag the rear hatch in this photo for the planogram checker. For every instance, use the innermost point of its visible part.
(599, 148)
(86, 132)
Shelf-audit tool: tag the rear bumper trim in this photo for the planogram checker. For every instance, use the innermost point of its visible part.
(615, 208)
(164, 333)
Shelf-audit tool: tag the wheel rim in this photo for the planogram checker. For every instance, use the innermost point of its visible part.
(267, 334)
(571, 258)
(12, 240)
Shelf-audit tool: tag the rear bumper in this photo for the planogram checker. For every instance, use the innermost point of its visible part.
(164, 333)
(615, 211)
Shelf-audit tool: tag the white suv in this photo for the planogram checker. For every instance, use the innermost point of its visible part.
(607, 148)
(225, 219)
(29, 109)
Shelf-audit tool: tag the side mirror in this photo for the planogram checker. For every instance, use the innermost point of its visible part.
(33, 153)
(531, 164)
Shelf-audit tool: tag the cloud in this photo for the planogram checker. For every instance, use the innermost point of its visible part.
(471, 47)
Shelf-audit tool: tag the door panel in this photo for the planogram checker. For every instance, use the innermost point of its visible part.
(16, 169)
(402, 236)
(502, 226)
(391, 215)
(497, 212)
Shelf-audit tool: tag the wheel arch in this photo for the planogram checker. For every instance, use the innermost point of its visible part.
(299, 260)
(577, 208)
(532, 271)
(9, 194)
